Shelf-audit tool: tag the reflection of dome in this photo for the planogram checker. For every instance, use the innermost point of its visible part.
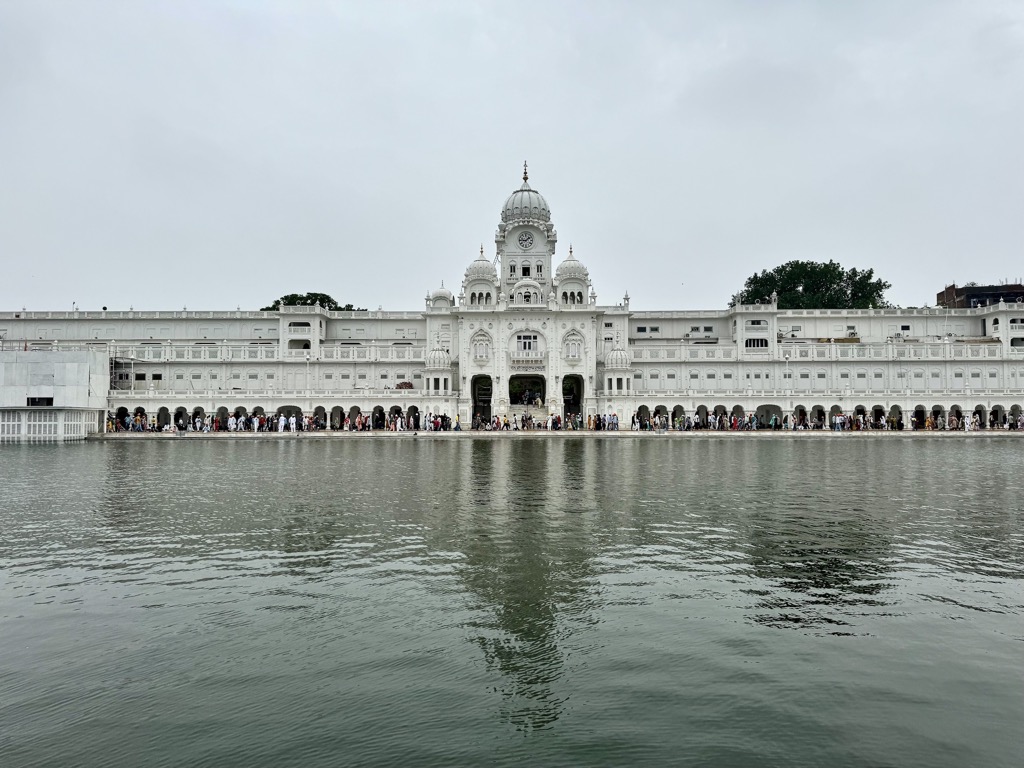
(618, 358)
(438, 359)
(525, 204)
(481, 269)
(570, 268)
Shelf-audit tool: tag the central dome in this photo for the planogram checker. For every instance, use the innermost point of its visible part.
(525, 204)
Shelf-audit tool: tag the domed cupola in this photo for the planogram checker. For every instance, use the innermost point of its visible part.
(481, 269)
(618, 359)
(572, 269)
(525, 204)
(437, 359)
(441, 294)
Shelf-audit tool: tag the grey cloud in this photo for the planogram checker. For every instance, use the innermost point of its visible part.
(232, 151)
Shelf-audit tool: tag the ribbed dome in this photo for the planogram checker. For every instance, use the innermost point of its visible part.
(481, 268)
(438, 359)
(525, 204)
(618, 358)
(441, 293)
(572, 267)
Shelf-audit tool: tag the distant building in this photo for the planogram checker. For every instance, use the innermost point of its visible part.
(972, 296)
(523, 332)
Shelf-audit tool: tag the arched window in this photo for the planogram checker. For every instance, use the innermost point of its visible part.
(565, 297)
(572, 297)
(573, 348)
(488, 301)
(526, 297)
(472, 298)
(512, 269)
(579, 297)
(536, 297)
(540, 269)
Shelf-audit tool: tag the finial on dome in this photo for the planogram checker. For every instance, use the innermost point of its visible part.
(570, 250)
(481, 250)
(526, 176)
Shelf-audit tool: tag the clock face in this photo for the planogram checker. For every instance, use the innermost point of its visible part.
(525, 240)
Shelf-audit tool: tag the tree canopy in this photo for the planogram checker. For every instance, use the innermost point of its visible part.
(308, 300)
(815, 285)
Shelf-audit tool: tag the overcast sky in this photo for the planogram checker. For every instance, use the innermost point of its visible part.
(221, 154)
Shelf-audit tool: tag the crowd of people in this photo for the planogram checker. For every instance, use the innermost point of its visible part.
(658, 422)
(282, 422)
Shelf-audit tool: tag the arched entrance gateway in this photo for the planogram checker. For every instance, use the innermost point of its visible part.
(572, 395)
(481, 390)
(527, 390)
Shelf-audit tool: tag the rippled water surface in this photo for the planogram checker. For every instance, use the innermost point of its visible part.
(559, 601)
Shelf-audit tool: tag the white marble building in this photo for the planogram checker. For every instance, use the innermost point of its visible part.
(526, 323)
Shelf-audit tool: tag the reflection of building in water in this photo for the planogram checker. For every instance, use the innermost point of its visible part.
(530, 562)
(823, 558)
(525, 327)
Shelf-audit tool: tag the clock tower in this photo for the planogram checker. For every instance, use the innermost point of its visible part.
(525, 243)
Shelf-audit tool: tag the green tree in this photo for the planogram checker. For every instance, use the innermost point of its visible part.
(815, 285)
(308, 300)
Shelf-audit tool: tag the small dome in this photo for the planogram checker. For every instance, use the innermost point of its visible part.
(481, 268)
(525, 204)
(618, 358)
(438, 359)
(572, 267)
(441, 293)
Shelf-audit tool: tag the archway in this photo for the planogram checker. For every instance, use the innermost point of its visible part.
(337, 417)
(720, 414)
(919, 416)
(765, 415)
(877, 415)
(981, 412)
(1014, 418)
(572, 395)
(702, 415)
(163, 417)
(643, 417)
(320, 417)
(817, 416)
(800, 417)
(378, 418)
(997, 417)
(955, 413)
(353, 414)
(737, 415)
(834, 411)
(896, 417)
(394, 416)
(412, 417)
(938, 414)
(527, 390)
(678, 417)
(221, 419)
(139, 411)
(181, 418)
(481, 391)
